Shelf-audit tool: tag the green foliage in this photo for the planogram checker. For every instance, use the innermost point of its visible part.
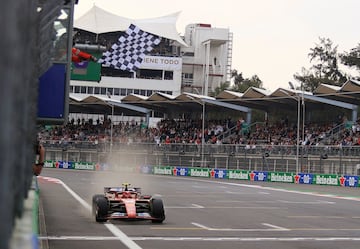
(310, 81)
(222, 87)
(241, 84)
(325, 68)
(352, 59)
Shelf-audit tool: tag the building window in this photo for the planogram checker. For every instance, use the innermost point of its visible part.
(143, 92)
(188, 75)
(83, 89)
(149, 74)
(149, 92)
(97, 90)
(109, 71)
(130, 91)
(103, 90)
(116, 91)
(71, 89)
(77, 89)
(123, 91)
(187, 78)
(136, 91)
(169, 75)
(90, 90)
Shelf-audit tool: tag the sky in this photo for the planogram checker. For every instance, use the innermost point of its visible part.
(271, 38)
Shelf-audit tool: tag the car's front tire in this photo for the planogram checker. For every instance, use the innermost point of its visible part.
(157, 210)
(100, 208)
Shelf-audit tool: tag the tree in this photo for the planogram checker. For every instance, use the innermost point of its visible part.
(309, 81)
(325, 68)
(222, 87)
(238, 78)
(352, 59)
(241, 84)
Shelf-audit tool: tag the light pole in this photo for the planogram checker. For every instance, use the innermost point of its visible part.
(111, 128)
(111, 123)
(303, 115)
(202, 127)
(297, 98)
(298, 135)
(203, 136)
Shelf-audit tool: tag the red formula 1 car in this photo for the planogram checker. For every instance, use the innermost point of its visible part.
(127, 203)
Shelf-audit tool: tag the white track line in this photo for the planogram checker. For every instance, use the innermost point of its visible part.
(275, 227)
(249, 239)
(122, 236)
(272, 228)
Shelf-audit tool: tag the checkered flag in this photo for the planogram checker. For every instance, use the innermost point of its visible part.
(130, 49)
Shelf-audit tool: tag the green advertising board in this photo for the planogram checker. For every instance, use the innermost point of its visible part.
(159, 170)
(238, 175)
(326, 180)
(199, 172)
(281, 177)
(86, 71)
(84, 166)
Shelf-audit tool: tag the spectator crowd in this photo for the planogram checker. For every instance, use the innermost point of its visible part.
(169, 131)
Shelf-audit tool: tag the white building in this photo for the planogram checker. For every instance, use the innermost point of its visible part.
(198, 62)
(207, 60)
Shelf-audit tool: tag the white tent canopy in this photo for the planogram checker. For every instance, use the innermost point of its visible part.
(99, 21)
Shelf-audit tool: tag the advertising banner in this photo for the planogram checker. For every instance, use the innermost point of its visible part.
(199, 172)
(349, 181)
(63, 165)
(162, 63)
(83, 166)
(49, 164)
(259, 176)
(86, 70)
(281, 177)
(180, 171)
(218, 173)
(158, 170)
(326, 180)
(238, 175)
(303, 178)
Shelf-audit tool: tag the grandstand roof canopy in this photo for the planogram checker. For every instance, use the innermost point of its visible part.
(349, 92)
(99, 21)
(252, 98)
(96, 104)
(255, 98)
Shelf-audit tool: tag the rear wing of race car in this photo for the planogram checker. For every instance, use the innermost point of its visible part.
(121, 189)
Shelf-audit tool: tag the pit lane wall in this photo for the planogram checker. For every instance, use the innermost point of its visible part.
(265, 176)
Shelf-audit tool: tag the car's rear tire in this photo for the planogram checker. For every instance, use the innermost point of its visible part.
(157, 210)
(100, 208)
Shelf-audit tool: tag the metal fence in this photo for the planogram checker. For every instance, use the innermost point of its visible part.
(312, 159)
(18, 97)
(27, 33)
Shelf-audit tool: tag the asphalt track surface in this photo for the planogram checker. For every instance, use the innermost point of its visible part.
(200, 213)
